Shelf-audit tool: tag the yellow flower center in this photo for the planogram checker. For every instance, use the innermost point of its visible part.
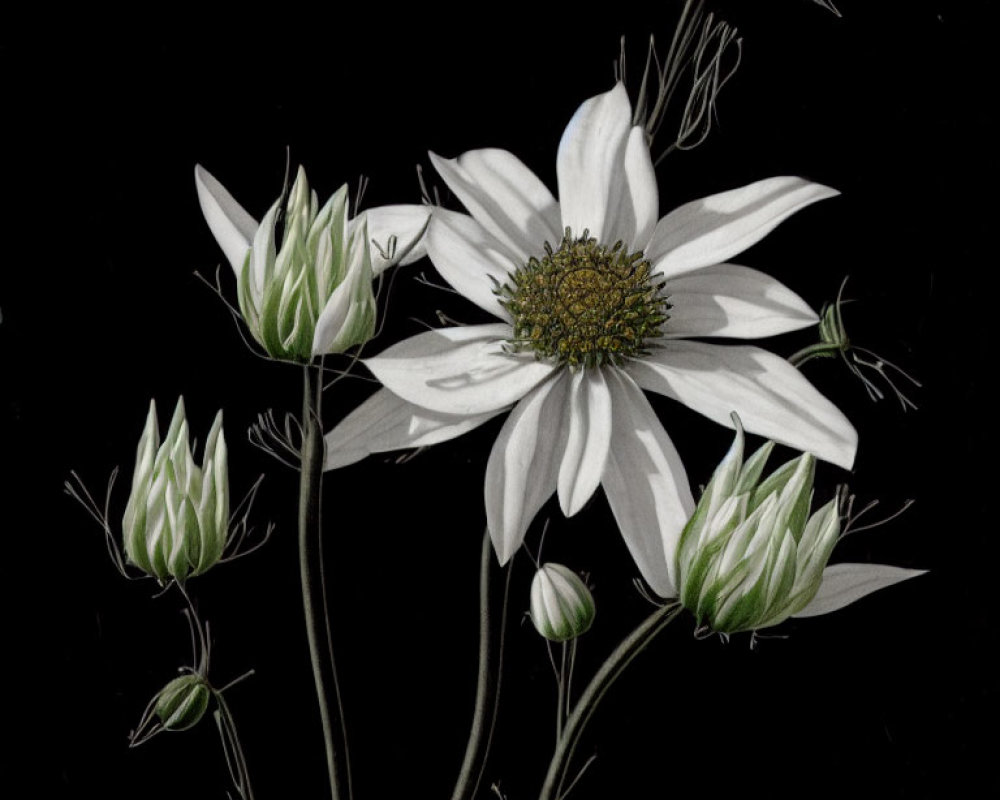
(585, 304)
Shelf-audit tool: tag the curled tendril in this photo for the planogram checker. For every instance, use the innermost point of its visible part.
(703, 55)
(860, 361)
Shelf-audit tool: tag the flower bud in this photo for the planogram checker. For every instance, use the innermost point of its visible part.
(562, 607)
(182, 703)
(751, 556)
(177, 517)
(314, 294)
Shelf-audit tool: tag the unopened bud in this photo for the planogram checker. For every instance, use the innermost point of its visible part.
(182, 703)
(177, 517)
(562, 606)
(313, 294)
(751, 555)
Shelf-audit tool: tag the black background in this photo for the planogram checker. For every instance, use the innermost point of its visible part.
(893, 697)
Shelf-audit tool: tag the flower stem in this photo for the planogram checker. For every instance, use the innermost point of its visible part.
(313, 594)
(562, 702)
(808, 353)
(613, 666)
(487, 685)
(233, 749)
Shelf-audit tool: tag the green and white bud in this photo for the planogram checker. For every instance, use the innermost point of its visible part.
(313, 295)
(177, 518)
(182, 703)
(562, 606)
(751, 555)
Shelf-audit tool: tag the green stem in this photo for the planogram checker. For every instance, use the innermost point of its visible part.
(562, 702)
(235, 758)
(615, 664)
(310, 568)
(487, 687)
(809, 353)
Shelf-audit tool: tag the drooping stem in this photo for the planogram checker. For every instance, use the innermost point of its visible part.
(313, 600)
(613, 666)
(232, 748)
(487, 684)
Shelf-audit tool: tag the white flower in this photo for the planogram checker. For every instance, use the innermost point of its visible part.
(583, 332)
(308, 299)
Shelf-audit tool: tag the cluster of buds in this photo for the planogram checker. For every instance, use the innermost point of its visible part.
(177, 517)
(314, 294)
(752, 555)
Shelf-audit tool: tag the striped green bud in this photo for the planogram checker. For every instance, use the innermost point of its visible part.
(562, 607)
(182, 703)
(177, 517)
(313, 294)
(751, 555)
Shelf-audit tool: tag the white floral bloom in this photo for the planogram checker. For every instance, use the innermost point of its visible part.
(305, 300)
(597, 300)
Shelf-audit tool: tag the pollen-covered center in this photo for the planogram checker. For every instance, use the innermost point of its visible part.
(585, 304)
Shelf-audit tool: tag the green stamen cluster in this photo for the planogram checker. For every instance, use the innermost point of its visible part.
(585, 304)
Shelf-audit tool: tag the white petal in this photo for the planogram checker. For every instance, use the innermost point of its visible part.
(232, 227)
(710, 230)
(469, 258)
(589, 163)
(387, 422)
(407, 223)
(521, 472)
(639, 204)
(844, 583)
(263, 257)
(735, 301)
(646, 485)
(329, 334)
(770, 395)
(588, 440)
(458, 370)
(505, 197)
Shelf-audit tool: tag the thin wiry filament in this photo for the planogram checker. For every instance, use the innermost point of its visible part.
(76, 489)
(240, 531)
(359, 195)
(710, 76)
(829, 6)
(236, 314)
(849, 518)
(697, 62)
(428, 194)
(281, 444)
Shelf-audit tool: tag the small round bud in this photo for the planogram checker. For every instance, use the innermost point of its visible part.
(182, 703)
(562, 606)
